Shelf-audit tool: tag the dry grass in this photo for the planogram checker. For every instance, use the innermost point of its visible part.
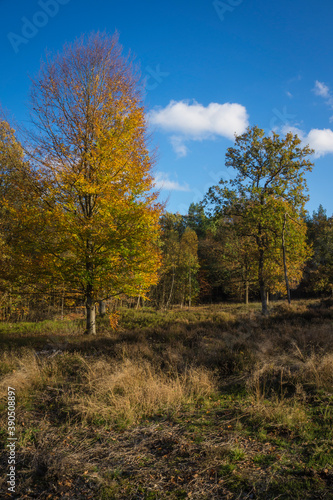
(23, 372)
(212, 402)
(129, 391)
(269, 401)
(319, 369)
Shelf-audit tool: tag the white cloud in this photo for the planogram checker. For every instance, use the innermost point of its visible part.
(294, 130)
(324, 91)
(321, 140)
(162, 182)
(321, 89)
(289, 94)
(193, 121)
(178, 146)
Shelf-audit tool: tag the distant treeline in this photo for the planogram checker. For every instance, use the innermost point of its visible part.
(206, 260)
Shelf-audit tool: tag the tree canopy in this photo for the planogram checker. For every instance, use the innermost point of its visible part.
(96, 221)
(270, 175)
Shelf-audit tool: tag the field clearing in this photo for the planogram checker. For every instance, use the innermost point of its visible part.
(207, 403)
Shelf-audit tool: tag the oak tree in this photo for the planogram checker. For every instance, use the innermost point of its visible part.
(268, 170)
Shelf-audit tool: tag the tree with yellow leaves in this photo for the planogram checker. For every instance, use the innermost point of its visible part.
(96, 221)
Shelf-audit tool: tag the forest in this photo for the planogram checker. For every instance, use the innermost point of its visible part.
(247, 241)
(81, 223)
(147, 354)
(207, 260)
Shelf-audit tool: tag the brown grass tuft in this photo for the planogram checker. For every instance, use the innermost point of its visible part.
(128, 391)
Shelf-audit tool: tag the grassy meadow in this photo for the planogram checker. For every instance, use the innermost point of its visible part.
(209, 403)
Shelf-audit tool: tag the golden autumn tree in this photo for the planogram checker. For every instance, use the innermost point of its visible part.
(15, 198)
(287, 248)
(15, 176)
(11, 158)
(95, 226)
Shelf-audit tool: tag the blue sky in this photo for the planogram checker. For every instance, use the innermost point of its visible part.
(210, 69)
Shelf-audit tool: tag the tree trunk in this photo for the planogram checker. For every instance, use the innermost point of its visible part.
(247, 293)
(171, 290)
(91, 320)
(10, 302)
(62, 304)
(285, 260)
(263, 299)
(183, 296)
(261, 273)
(190, 289)
(163, 294)
(91, 312)
(102, 308)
